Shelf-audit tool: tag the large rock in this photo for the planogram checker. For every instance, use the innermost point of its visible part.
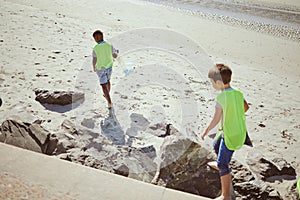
(267, 170)
(240, 173)
(254, 190)
(184, 168)
(28, 136)
(58, 97)
(247, 186)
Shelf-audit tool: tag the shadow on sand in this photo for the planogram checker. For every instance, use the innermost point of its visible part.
(110, 127)
(62, 109)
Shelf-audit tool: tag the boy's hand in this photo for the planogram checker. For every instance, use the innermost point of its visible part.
(204, 134)
(115, 55)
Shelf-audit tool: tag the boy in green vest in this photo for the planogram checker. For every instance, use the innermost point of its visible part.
(103, 55)
(230, 110)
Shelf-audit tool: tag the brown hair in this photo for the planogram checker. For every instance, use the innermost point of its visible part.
(220, 72)
(97, 32)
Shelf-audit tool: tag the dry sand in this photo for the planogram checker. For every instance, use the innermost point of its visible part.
(13, 187)
(48, 44)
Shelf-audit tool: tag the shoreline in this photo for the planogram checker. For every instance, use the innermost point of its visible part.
(258, 23)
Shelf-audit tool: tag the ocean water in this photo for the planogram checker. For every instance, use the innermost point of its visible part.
(245, 12)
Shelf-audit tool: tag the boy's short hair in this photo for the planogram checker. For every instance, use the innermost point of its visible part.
(97, 32)
(220, 72)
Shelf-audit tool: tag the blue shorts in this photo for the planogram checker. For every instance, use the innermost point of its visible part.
(104, 75)
(224, 156)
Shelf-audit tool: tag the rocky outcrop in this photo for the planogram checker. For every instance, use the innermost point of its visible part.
(180, 163)
(82, 145)
(28, 136)
(58, 97)
(183, 167)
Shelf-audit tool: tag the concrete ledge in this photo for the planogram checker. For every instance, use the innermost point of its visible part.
(78, 181)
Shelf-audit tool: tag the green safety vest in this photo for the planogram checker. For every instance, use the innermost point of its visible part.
(298, 186)
(234, 119)
(103, 52)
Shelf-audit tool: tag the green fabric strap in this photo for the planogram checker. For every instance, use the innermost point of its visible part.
(298, 186)
(103, 52)
(234, 119)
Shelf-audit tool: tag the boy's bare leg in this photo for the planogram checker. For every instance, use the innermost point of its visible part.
(225, 183)
(108, 86)
(213, 165)
(106, 94)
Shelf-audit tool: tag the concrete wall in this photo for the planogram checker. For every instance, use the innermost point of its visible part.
(78, 181)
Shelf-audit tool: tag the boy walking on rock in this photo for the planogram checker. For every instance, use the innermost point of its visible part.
(230, 110)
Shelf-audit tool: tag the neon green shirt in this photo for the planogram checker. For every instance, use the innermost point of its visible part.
(103, 51)
(298, 186)
(234, 119)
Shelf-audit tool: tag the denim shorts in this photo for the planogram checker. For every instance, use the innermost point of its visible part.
(224, 156)
(104, 75)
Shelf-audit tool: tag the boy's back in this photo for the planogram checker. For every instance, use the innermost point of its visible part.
(234, 120)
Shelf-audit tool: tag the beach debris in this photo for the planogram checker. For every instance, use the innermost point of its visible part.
(168, 131)
(261, 125)
(41, 75)
(129, 70)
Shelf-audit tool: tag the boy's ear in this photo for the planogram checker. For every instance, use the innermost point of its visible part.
(212, 81)
(219, 82)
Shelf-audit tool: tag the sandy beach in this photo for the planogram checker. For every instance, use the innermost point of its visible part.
(165, 54)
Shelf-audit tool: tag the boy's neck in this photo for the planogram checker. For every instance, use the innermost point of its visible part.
(226, 86)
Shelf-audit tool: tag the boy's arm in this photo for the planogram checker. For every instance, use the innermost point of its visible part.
(94, 63)
(94, 60)
(214, 122)
(246, 106)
